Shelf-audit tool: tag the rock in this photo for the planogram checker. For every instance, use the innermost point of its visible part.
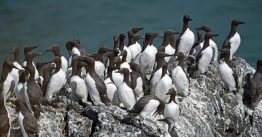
(209, 111)
(51, 122)
(77, 125)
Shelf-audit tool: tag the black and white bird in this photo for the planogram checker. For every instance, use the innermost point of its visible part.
(233, 39)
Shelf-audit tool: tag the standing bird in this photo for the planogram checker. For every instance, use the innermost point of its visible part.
(33, 89)
(7, 79)
(204, 58)
(99, 65)
(77, 84)
(27, 122)
(171, 109)
(5, 124)
(134, 47)
(147, 106)
(57, 79)
(95, 85)
(22, 92)
(111, 88)
(26, 51)
(125, 92)
(123, 47)
(163, 85)
(147, 58)
(196, 47)
(233, 39)
(186, 38)
(136, 80)
(169, 49)
(16, 62)
(156, 76)
(227, 74)
(256, 85)
(124, 63)
(179, 76)
(213, 45)
(56, 50)
(171, 132)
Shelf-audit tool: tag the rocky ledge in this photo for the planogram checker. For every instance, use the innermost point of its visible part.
(209, 111)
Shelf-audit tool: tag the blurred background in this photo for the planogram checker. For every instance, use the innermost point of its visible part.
(44, 23)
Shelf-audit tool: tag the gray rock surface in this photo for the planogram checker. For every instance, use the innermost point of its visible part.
(209, 111)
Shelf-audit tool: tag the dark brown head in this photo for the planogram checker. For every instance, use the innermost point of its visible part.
(88, 60)
(69, 46)
(8, 64)
(172, 93)
(205, 28)
(150, 36)
(15, 50)
(28, 49)
(210, 35)
(33, 54)
(187, 18)
(55, 49)
(169, 33)
(136, 30)
(236, 22)
(104, 50)
(116, 41)
(259, 66)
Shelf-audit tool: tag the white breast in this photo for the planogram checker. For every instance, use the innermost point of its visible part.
(162, 87)
(93, 92)
(126, 96)
(137, 58)
(55, 84)
(79, 90)
(156, 77)
(7, 85)
(213, 45)
(234, 44)
(205, 59)
(128, 56)
(135, 49)
(64, 63)
(117, 78)
(100, 69)
(180, 81)
(186, 42)
(172, 110)
(147, 59)
(112, 92)
(139, 88)
(226, 74)
(169, 50)
(149, 109)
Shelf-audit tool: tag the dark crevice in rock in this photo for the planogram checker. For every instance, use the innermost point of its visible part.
(91, 114)
(229, 130)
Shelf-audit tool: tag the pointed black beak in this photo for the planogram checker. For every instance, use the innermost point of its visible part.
(241, 22)
(215, 35)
